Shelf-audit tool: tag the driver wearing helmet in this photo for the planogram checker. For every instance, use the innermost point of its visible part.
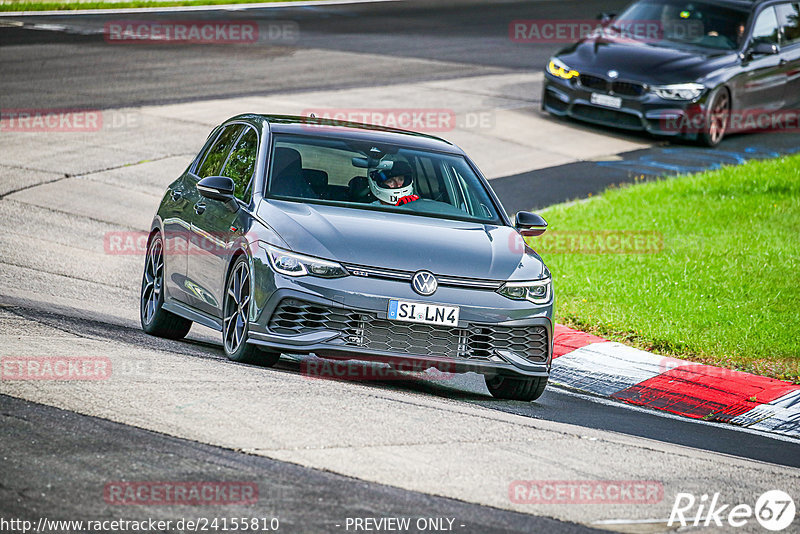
(395, 186)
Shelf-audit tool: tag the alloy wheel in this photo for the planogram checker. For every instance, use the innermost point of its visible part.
(718, 117)
(237, 300)
(153, 280)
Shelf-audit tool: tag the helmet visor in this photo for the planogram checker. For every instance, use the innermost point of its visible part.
(388, 180)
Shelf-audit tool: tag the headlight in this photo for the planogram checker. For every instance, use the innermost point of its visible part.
(538, 291)
(679, 91)
(557, 68)
(292, 264)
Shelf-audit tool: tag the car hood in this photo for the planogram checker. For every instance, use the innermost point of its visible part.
(644, 62)
(403, 242)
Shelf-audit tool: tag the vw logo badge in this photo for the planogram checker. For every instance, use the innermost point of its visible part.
(613, 74)
(424, 283)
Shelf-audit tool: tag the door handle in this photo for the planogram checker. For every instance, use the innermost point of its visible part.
(176, 195)
(199, 208)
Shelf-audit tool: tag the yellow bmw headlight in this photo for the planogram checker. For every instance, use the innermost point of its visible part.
(559, 69)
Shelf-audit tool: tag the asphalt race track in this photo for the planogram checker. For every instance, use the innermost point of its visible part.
(319, 451)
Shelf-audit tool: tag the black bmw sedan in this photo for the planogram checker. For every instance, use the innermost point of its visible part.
(683, 68)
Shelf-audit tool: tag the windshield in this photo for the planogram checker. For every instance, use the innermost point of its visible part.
(367, 175)
(686, 23)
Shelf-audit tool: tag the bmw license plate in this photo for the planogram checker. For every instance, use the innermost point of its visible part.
(422, 312)
(606, 100)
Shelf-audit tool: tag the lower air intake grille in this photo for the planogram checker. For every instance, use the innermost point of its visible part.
(365, 330)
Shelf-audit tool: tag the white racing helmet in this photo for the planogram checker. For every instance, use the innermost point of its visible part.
(378, 178)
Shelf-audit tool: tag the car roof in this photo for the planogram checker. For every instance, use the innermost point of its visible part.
(744, 5)
(326, 127)
(740, 4)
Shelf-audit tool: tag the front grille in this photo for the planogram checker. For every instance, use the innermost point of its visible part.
(406, 276)
(607, 116)
(365, 330)
(628, 89)
(411, 338)
(596, 83)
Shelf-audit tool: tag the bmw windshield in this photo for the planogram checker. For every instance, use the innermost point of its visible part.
(376, 176)
(683, 24)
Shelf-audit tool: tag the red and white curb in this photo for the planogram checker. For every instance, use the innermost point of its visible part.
(595, 365)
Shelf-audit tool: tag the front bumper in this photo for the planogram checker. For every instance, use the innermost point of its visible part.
(346, 319)
(648, 112)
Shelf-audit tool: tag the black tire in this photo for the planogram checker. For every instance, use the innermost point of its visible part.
(521, 389)
(236, 319)
(717, 120)
(155, 320)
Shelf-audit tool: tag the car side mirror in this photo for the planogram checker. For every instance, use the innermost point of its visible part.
(218, 188)
(764, 49)
(530, 224)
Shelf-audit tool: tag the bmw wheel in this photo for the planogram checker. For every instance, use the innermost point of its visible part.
(236, 319)
(717, 119)
(522, 388)
(155, 320)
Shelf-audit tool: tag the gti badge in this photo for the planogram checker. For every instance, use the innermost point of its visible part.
(424, 283)
(613, 74)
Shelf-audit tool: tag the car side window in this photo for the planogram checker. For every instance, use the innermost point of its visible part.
(242, 163)
(216, 156)
(428, 182)
(765, 29)
(789, 18)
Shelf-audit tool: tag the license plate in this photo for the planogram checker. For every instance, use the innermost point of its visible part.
(606, 100)
(422, 312)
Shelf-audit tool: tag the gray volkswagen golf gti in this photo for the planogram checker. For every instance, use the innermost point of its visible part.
(297, 235)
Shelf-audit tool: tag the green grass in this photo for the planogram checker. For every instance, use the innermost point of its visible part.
(69, 5)
(724, 289)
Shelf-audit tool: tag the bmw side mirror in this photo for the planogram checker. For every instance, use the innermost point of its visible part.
(764, 49)
(218, 188)
(530, 224)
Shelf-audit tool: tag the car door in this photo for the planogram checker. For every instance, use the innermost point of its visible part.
(177, 226)
(789, 20)
(216, 223)
(198, 294)
(764, 77)
(176, 217)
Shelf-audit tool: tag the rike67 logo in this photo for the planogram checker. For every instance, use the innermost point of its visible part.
(774, 510)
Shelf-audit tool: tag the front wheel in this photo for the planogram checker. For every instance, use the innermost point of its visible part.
(236, 319)
(511, 388)
(155, 320)
(717, 118)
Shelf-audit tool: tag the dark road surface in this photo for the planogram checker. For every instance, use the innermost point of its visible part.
(72, 70)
